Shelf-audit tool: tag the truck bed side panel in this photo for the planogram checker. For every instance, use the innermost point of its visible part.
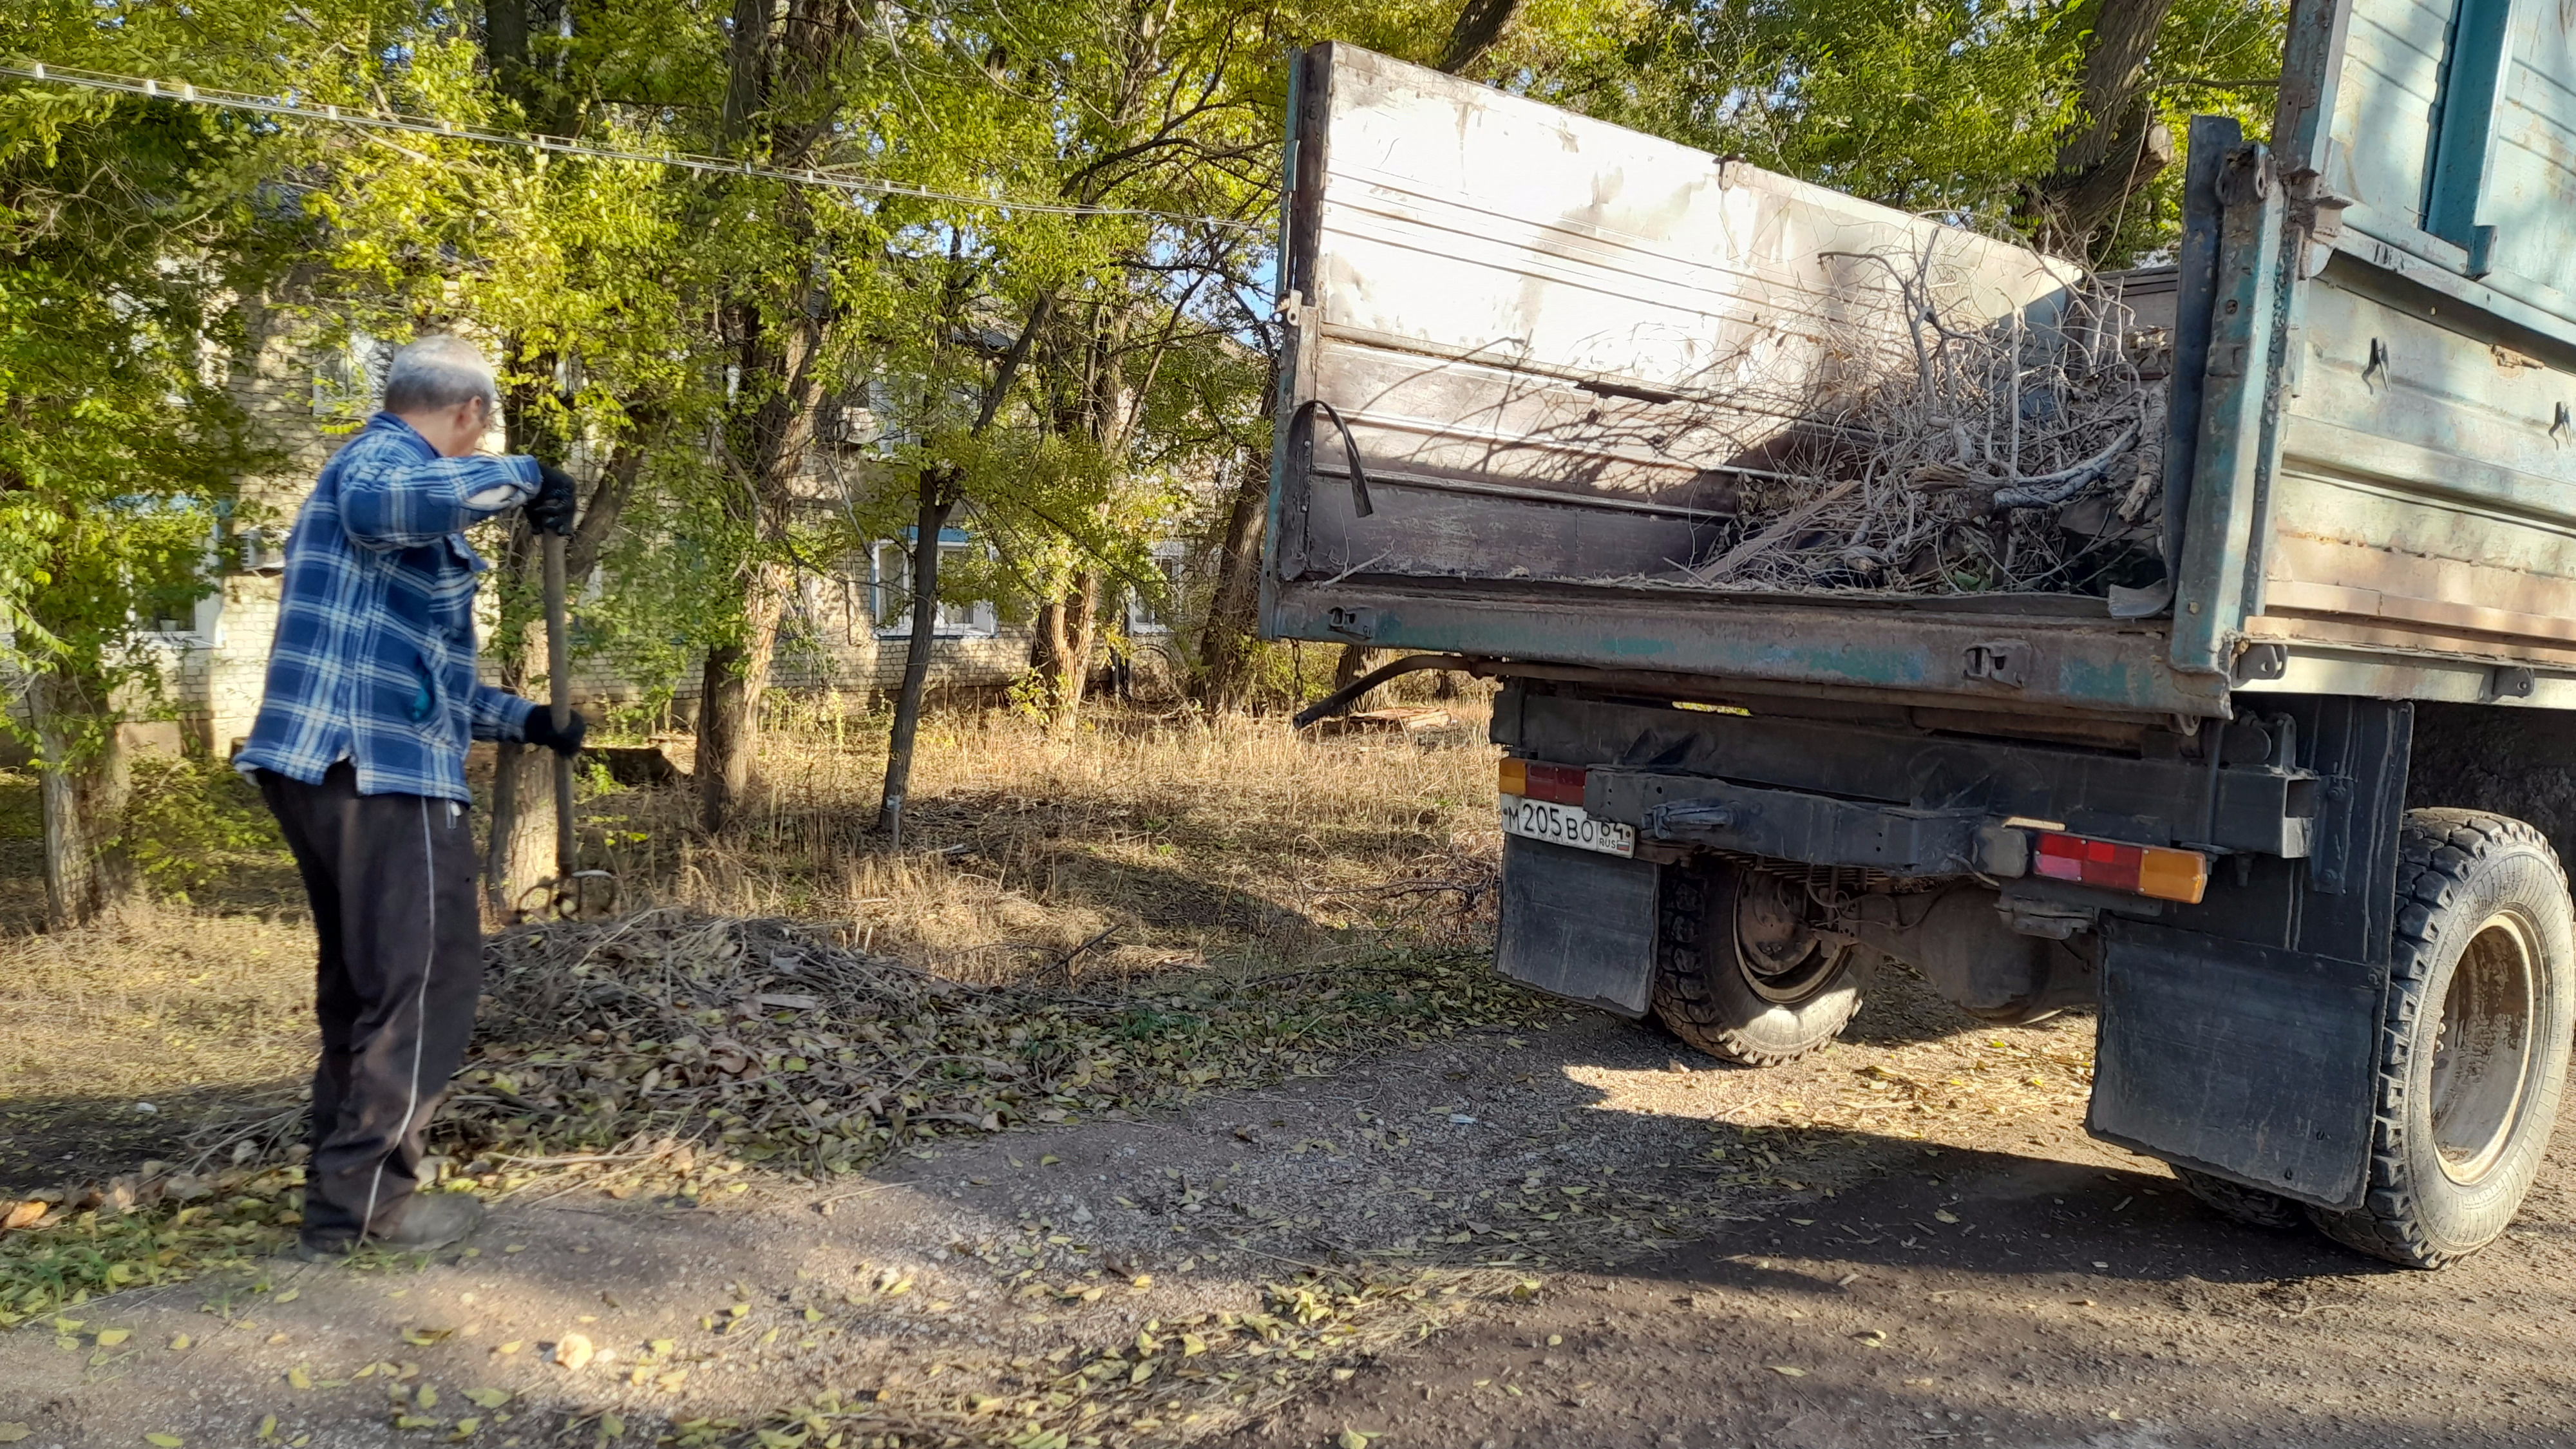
(2425, 495)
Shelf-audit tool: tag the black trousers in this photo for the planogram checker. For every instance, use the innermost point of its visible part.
(391, 878)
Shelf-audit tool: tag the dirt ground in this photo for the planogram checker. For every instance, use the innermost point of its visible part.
(1904, 1240)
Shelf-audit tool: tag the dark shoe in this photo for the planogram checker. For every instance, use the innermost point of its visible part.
(430, 1221)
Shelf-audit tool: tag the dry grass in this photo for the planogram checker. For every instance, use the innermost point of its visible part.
(1189, 841)
(1139, 844)
(181, 1010)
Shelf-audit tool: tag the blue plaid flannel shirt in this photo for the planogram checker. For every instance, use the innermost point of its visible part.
(374, 658)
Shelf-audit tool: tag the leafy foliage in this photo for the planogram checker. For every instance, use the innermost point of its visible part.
(125, 230)
(1953, 108)
(192, 823)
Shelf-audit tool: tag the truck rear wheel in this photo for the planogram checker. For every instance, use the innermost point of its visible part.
(2474, 1039)
(1740, 972)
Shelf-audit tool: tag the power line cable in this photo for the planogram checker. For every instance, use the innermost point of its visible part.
(190, 94)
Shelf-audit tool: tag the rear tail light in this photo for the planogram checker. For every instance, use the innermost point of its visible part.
(1531, 780)
(2146, 870)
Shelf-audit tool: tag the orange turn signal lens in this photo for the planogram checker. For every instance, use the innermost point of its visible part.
(1515, 779)
(2174, 875)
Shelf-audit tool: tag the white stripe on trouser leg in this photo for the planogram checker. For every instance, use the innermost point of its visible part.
(419, 1012)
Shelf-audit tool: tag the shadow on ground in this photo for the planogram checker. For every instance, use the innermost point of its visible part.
(2042, 1292)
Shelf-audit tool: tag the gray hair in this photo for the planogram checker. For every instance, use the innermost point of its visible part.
(439, 372)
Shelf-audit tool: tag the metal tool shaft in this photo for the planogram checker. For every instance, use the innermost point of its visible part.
(559, 677)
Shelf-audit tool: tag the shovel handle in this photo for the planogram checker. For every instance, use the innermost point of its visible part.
(559, 684)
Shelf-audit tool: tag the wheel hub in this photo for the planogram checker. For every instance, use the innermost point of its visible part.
(2484, 1054)
(1780, 954)
(1769, 925)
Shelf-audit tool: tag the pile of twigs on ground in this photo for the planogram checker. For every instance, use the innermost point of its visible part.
(667, 1052)
(664, 1050)
(1973, 456)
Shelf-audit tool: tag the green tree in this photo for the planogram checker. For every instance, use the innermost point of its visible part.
(128, 229)
(2051, 121)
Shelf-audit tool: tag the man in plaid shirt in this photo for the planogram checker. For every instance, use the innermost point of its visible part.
(359, 748)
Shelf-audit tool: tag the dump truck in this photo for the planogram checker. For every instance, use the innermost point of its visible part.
(2194, 646)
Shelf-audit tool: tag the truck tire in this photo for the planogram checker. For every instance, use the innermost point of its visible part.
(1739, 974)
(2251, 1206)
(2474, 1039)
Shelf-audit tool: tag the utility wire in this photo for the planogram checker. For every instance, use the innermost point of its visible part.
(188, 94)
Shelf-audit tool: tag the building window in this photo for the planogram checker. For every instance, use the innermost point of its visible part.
(1153, 616)
(350, 379)
(890, 590)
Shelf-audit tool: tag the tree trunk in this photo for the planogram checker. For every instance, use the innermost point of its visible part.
(734, 681)
(519, 852)
(1045, 634)
(521, 849)
(1227, 636)
(777, 56)
(1354, 661)
(770, 440)
(1082, 634)
(721, 725)
(505, 39)
(1070, 630)
(2115, 145)
(940, 490)
(937, 498)
(83, 788)
(1479, 26)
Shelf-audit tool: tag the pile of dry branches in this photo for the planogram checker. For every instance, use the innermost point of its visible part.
(1963, 455)
(668, 1042)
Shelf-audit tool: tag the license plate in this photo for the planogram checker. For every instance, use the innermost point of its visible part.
(1567, 825)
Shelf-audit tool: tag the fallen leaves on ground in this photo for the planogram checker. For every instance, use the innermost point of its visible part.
(654, 1048)
(637, 1054)
(1186, 1380)
(90, 1247)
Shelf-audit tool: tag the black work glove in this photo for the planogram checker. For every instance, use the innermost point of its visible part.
(541, 731)
(551, 511)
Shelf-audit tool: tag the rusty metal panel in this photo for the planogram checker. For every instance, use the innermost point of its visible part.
(2384, 106)
(2488, 84)
(2239, 383)
(2020, 662)
(2532, 172)
(2427, 482)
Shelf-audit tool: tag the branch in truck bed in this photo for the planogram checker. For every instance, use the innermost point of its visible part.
(1736, 557)
(2040, 491)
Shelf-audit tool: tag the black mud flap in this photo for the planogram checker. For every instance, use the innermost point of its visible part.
(1578, 923)
(2247, 1062)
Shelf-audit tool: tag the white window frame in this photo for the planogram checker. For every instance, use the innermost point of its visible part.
(1142, 621)
(352, 373)
(978, 620)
